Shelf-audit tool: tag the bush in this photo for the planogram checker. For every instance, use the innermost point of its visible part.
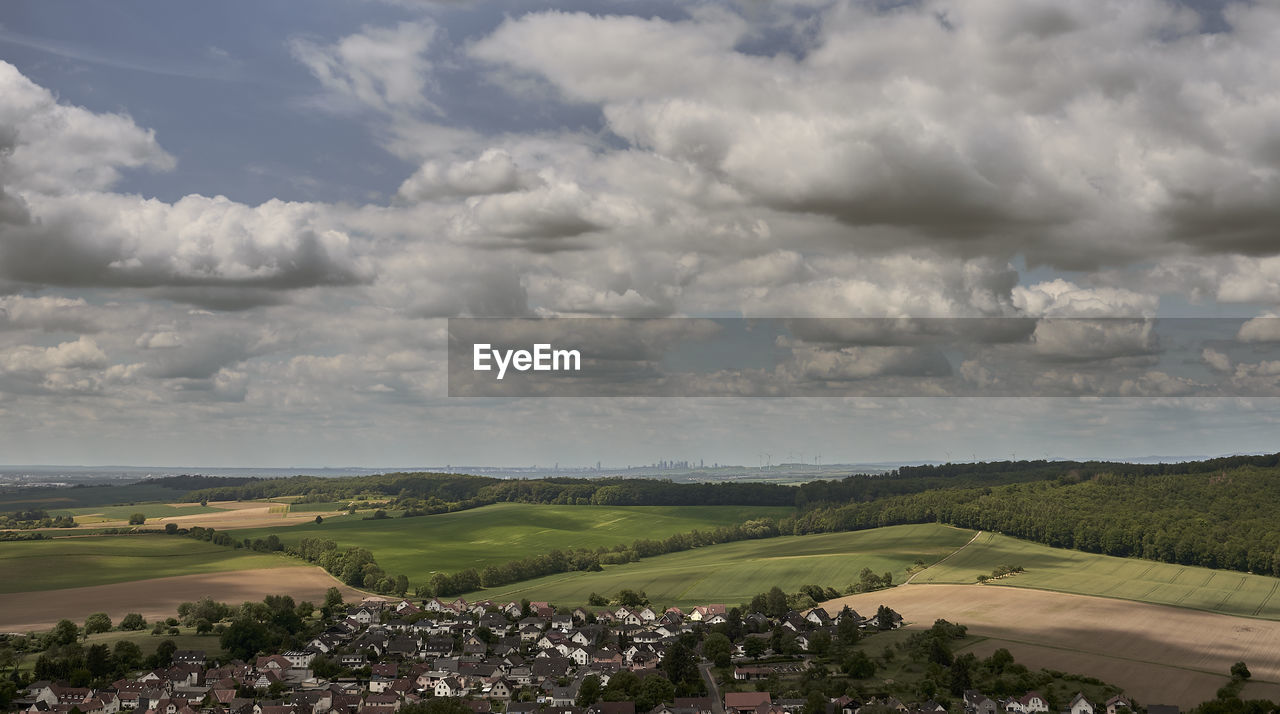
(97, 622)
(137, 519)
(133, 621)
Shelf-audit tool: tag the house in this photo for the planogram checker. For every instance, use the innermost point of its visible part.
(500, 689)
(449, 687)
(695, 705)
(1029, 703)
(195, 657)
(745, 702)
(299, 659)
(613, 708)
(1118, 705)
(976, 702)
(1080, 705)
(706, 612)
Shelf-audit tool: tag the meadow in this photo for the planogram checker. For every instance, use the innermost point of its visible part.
(98, 560)
(1071, 571)
(448, 542)
(732, 573)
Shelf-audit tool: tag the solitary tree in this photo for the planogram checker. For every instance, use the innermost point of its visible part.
(137, 519)
(319, 520)
(97, 622)
(65, 632)
(133, 621)
(1240, 670)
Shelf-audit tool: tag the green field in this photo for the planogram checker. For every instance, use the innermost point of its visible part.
(98, 560)
(100, 514)
(449, 542)
(733, 572)
(1072, 571)
(323, 507)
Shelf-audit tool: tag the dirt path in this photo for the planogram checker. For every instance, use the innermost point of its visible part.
(160, 597)
(1159, 654)
(949, 556)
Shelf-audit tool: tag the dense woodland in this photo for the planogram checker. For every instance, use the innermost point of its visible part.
(1219, 519)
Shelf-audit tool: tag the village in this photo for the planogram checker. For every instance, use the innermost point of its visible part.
(520, 658)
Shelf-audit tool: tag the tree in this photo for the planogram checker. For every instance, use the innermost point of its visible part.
(127, 655)
(776, 603)
(97, 659)
(858, 665)
(847, 631)
(755, 647)
(588, 691)
(597, 600)
(999, 661)
(319, 520)
(244, 638)
(97, 622)
(679, 664)
(332, 601)
(133, 621)
(820, 643)
(65, 632)
(203, 626)
(654, 690)
(884, 617)
(631, 598)
(718, 649)
(137, 519)
(164, 653)
(1240, 670)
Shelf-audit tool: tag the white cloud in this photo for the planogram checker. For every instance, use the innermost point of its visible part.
(382, 67)
(56, 148)
(80, 354)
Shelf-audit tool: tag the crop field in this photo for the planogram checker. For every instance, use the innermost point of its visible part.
(96, 560)
(159, 598)
(449, 542)
(104, 514)
(1158, 654)
(732, 573)
(1072, 571)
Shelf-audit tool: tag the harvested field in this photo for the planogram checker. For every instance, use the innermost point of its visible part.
(222, 515)
(1158, 654)
(160, 597)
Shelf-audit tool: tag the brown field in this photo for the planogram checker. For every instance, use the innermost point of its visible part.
(1158, 654)
(230, 516)
(160, 597)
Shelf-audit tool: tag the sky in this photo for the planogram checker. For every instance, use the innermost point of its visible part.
(231, 233)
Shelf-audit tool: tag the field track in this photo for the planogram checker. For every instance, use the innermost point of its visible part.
(160, 597)
(1158, 654)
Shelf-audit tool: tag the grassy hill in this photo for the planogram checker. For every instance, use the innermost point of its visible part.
(449, 542)
(733, 572)
(1072, 571)
(98, 560)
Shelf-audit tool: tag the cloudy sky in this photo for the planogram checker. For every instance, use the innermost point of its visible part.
(230, 232)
